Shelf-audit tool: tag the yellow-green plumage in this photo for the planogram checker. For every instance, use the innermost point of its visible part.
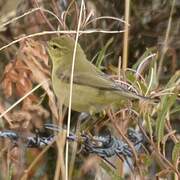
(91, 87)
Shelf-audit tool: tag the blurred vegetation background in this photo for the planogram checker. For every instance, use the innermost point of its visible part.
(153, 69)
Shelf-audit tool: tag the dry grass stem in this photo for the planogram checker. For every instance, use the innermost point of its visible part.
(71, 87)
(165, 44)
(21, 99)
(126, 35)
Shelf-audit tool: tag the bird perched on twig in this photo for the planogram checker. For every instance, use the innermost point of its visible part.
(92, 89)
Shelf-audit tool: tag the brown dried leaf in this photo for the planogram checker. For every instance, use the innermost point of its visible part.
(7, 87)
(39, 68)
(21, 119)
(39, 77)
(29, 67)
(6, 116)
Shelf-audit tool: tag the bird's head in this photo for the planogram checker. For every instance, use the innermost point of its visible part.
(60, 47)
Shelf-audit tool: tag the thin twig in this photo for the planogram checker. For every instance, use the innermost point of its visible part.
(63, 32)
(159, 155)
(35, 161)
(21, 99)
(124, 137)
(119, 69)
(19, 17)
(30, 12)
(144, 63)
(107, 17)
(44, 16)
(74, 150)
(71, 86)
(165, 47)
(150, 82)
(60, 168)
(126, 35)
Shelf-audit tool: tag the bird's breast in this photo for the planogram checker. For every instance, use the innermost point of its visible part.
(83, 97)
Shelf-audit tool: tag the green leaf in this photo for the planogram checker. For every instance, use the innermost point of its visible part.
(148, 52)
(174, 81)
(149, 124)
(152, 77)
(138, 84)
(102, 53)
(166, 104)
(176, 109)
(176, 152)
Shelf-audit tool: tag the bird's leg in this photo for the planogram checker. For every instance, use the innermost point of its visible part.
(96, 113)
(96, 116)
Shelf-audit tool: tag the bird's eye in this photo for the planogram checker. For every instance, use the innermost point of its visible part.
(54, 46)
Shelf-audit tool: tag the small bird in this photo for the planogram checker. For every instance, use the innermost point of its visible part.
(92, 89)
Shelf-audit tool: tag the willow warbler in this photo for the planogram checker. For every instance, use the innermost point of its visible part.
(92, 89)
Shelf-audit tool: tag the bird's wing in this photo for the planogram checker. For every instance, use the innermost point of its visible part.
(100, 81)
(86, 79)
